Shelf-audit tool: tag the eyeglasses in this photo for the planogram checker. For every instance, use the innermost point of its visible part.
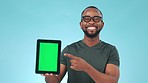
(94, 18)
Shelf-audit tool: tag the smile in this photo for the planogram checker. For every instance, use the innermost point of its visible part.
(91, 28)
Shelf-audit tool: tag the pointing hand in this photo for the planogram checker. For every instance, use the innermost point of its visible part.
(77, 63)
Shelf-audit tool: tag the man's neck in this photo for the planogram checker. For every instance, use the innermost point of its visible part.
(91, 41)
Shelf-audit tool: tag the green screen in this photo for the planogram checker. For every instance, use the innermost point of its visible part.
(48, 56)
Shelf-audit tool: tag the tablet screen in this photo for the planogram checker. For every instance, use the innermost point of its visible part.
(48, 56)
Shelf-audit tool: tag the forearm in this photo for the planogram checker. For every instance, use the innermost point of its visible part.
(99, 77)
(51, 79)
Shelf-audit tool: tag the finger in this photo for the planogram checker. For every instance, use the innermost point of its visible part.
(73, 64)
(73, 67)
(73, 61)
(42, 74)
(47, 74)
(51, 74)
(70, 56)
(56, 75)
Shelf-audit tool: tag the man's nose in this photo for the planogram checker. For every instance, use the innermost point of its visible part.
(91, 21)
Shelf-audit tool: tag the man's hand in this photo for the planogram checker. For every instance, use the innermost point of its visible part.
(51, 78)
(54, 78)
(77, 63)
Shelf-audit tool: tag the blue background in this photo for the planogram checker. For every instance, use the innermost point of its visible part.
(22, 22)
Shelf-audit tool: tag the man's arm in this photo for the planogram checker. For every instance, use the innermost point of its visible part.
(111, 74)
(50, 78)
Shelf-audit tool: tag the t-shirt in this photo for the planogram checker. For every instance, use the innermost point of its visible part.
(98, 56)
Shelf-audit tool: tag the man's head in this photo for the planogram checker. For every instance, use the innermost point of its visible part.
(91, 21)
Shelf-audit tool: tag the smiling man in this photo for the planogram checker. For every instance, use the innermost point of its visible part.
(89, 60)
(91, 23)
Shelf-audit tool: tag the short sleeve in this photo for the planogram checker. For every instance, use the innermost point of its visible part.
(114, 57)
(63, 59)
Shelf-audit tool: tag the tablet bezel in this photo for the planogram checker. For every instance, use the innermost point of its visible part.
(37, 71)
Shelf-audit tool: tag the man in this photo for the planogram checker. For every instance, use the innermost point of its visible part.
(89, 60)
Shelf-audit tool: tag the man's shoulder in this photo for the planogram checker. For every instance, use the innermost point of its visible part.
(74, 44)
(107, 45)
(72, 47)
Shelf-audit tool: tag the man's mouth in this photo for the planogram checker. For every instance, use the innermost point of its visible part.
(91, 28)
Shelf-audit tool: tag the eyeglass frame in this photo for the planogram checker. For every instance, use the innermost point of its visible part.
(91, 18)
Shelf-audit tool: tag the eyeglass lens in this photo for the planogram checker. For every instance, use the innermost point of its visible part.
(88, 18)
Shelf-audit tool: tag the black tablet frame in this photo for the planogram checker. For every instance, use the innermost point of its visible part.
(37, 71)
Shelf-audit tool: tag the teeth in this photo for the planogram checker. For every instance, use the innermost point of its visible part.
(91, 28)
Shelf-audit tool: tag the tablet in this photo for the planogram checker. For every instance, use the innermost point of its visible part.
(48, 56)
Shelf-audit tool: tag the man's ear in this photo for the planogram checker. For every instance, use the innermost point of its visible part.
(102, 24)
(81, 24)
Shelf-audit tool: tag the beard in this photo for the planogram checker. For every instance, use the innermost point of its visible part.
(91, 35)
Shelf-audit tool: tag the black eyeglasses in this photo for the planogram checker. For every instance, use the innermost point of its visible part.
(94, 18)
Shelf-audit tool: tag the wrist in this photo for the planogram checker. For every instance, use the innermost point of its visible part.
(88, 68)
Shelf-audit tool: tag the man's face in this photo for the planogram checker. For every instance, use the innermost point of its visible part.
(91, 23)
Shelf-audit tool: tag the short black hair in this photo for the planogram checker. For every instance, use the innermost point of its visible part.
(91, 7)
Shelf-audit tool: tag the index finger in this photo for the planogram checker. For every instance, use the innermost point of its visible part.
(70, 56)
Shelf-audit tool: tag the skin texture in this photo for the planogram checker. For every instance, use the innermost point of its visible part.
(111, 74)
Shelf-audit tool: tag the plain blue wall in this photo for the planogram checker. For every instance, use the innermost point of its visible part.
(22, 22)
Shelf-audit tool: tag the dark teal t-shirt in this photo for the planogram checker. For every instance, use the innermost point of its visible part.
(98, 56)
